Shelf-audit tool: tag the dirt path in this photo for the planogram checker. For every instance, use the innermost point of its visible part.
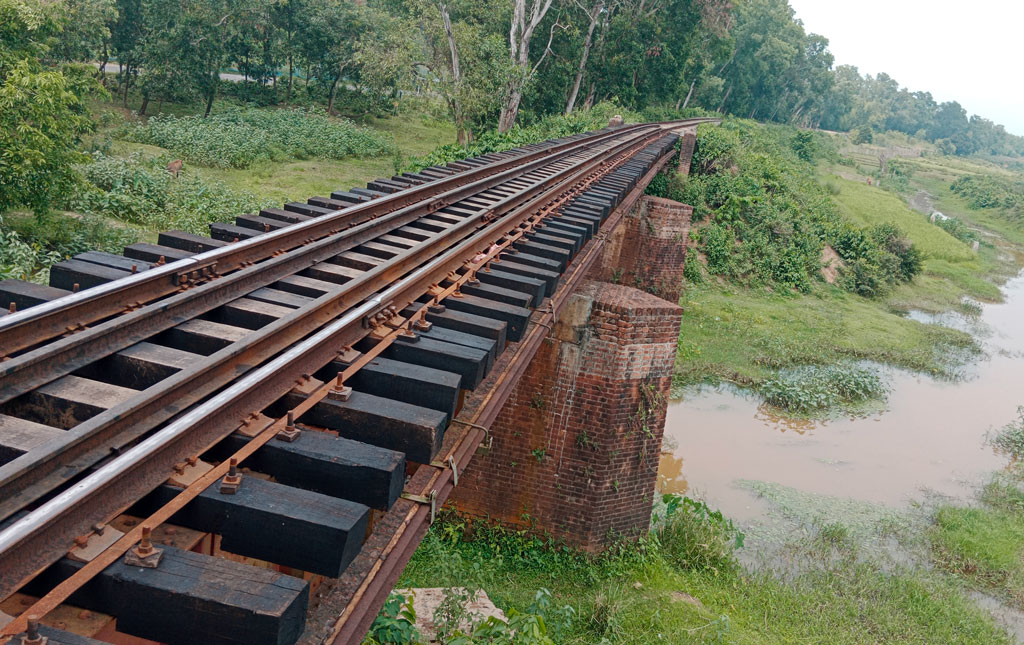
(922, 202)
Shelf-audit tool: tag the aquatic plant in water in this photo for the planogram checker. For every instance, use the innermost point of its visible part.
(1009, 439)
(815, 388)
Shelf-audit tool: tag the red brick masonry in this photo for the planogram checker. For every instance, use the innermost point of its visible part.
(648, 249)
(576, 447)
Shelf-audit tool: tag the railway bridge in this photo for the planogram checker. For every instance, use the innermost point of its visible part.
(242, 438)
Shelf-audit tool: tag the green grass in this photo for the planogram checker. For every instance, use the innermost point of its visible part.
(867, 205)
(745, 336)
(637, 595)
(292, 180)
(984, 547)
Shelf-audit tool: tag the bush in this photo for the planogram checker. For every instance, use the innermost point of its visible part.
(549, 127)
(695, 538)
(139, 190)
(815, 388)
(956, 227)
(984, 191)
(804, 146)
(32, 244)
(863, 134)
(240, 137)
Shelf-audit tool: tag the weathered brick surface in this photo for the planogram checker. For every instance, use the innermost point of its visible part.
(686, 145)
(576, 447)
(648, 249)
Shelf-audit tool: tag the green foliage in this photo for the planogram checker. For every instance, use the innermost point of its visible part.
(549, 127)
(1009, 439)
(956, 227)
(139, 190)
(42, 116)
(396, 622)
(240, 137)
(814, 388)
(695, 538)
(863, 134)
(986, 191)
(23, 260)
(769, 217)
(804, 146)
(31, 244)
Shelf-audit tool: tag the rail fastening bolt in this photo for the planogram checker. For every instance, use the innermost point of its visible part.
(146, 545)
(32, 630)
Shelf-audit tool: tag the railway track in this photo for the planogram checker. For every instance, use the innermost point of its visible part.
(258, 399)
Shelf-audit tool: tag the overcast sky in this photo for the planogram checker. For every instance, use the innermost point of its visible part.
(959, 51)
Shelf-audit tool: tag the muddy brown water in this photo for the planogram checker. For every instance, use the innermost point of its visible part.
(930, 436)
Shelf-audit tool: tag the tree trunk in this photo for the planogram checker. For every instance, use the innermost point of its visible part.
(454, 102)
(101, 72)
(145, 104)
(288, 98)
(519, 37)
(127, 82)
(209, 101)
(724, 99)
(689, 94)
(589, 103)
(587, 42)
(334, 89)
(511, 110)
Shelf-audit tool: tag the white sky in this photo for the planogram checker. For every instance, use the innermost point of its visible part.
(959, 51)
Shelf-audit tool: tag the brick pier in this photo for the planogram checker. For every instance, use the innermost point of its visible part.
(576, 447)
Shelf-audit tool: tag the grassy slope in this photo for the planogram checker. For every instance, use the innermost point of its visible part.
(743, 336)
(843, 602)
(300, 179)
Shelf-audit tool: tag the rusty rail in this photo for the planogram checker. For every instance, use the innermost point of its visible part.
(37, 539)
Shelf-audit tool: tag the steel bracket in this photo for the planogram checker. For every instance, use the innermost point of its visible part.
(449, 463)
(424, 499)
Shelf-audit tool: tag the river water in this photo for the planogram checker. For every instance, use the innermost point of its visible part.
(929, 437)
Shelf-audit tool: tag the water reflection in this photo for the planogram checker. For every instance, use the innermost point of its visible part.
(930, 436)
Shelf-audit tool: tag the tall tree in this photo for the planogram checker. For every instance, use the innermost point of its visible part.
(42, 116)
(526, 16)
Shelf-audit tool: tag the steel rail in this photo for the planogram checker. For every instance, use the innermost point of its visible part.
(37, 367)
(359, 612)
(37, 324)
(35, 473)
(43, 535)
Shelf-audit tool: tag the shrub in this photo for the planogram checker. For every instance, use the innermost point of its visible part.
(956, 227)
(863, 134)
(803, 145)
(718, 242)
(891, 239)
(549, 127)
(984, 191)
(139, 190)
(695, 538)
(239, 137)
(32, 244)
(814, 388)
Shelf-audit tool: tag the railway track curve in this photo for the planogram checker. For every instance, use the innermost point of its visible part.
(274, 393)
